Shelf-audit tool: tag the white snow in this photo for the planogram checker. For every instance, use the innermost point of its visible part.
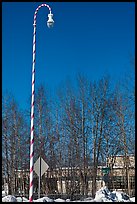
(44, 199)
(102, 195)
(67, 200)
(3, 193)
(22, 199)
(9, 198)
(59, 200)
(132, 199)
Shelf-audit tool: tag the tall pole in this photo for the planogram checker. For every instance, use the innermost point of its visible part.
(39, 176)
(32, 105)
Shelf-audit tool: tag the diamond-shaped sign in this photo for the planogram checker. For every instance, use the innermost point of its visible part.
(43, 167)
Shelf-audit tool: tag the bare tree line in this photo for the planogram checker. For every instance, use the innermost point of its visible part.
(79, 127)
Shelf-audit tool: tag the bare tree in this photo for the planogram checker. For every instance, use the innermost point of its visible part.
(99, 96)
(14, 141)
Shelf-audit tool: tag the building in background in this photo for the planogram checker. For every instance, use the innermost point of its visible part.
(118, 174)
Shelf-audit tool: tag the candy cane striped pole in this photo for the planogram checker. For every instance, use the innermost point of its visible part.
(32, 105)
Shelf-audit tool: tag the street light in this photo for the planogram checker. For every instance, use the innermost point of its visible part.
(50, 23)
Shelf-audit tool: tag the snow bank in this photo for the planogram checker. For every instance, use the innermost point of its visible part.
(22, 199)
(132, 199)
(121, 197)
(44, 199)
(102, 195)
(9, 198)
(59, 200)
(89, 199)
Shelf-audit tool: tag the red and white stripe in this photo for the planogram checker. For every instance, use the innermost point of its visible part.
(32, 105)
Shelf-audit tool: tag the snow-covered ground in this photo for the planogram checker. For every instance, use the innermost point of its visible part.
(102, 195)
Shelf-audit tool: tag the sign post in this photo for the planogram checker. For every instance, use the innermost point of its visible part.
(105, 171)
(40, 167)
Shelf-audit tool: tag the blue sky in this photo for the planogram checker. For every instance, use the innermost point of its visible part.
(88, 37)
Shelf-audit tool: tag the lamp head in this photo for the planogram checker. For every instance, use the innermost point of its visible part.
(50, 21)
